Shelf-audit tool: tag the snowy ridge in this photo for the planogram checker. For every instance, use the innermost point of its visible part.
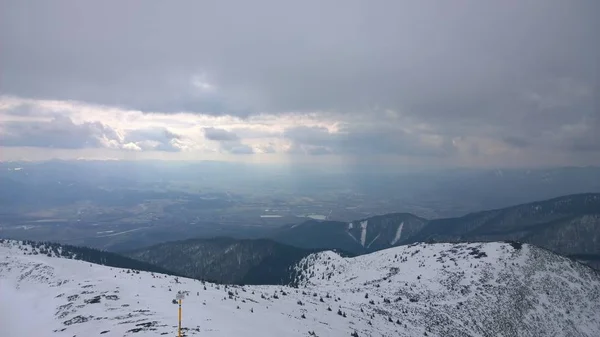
(475, 289)
(70, 297)
(493, 289)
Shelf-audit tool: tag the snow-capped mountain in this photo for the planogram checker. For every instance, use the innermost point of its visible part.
(474, 289)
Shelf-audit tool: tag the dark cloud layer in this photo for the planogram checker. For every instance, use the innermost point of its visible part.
(307, 55)
(525, 73)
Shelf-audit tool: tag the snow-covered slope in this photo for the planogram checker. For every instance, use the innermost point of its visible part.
(475, 289)
(489, 289)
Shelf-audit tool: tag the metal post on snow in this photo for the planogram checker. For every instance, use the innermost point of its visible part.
(179, 298)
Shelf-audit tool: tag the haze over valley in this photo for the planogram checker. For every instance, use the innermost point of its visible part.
(118, 205)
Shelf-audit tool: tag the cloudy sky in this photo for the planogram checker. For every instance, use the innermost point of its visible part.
(442, 83)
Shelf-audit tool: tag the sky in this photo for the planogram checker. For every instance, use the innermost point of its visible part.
(425, 83)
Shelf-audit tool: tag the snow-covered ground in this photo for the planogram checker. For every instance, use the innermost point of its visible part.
(489, 289)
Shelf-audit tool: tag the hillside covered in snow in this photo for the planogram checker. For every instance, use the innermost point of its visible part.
(491, 289)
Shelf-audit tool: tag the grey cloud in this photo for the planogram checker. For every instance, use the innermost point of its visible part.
(252, 133)
(23, 110)
(363, 140)
(309, 135)
(268, 148)
(297, 148)
(516, 142)
(589, 143)
(155, 134)
(228, 141)
(238, 148)
(153, 139)
(389, 139)
(319, 150)
(60, 132)
(583, 138)
(217, 134)
(309, 55)
(510, 70)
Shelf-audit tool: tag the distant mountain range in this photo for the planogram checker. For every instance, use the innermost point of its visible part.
(568, 225)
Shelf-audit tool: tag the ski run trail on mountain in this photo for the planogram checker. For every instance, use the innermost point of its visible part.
(363, 232)
(398, 234)
(491, 289)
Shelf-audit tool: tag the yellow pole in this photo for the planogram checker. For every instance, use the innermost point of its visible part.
(179, 334)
